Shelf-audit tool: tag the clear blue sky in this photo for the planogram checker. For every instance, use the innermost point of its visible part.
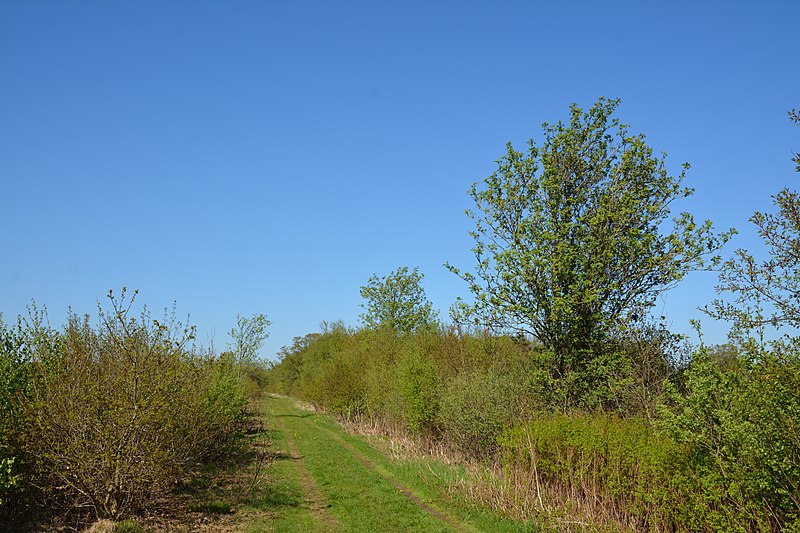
(250, 156)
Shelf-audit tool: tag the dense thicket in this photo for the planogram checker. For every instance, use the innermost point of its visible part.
(108, 417)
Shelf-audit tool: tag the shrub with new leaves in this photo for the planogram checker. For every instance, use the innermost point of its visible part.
(120, 412)
(475, 408)
(13, 382)
(28, 340)
(741, 423)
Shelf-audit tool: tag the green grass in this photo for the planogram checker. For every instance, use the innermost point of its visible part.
(258, 495)
(128, 526)
(360, 484)
(360, 499)
(280, 494)
(214, 507)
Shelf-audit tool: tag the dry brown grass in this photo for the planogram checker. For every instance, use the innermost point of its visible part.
(517, 493)
(101, 526)
(395, 441)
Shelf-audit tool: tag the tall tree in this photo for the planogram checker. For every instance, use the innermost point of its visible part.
(397, 301)
(571, 238)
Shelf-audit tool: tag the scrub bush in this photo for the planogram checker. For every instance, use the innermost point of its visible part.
(330, 373)
(476, 407)
(13, 382)
(383, 396)
(741, 426)
(20, 344)
(119, 413)
(419, 385)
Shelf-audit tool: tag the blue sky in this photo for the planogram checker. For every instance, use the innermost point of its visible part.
(248, 156)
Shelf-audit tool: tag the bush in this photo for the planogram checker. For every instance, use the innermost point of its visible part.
(116, 415)
(225, 397)
(477, 406)
(29, 339)
(13, 381)
(419, 385)
(339, 385)
(741, 424)
(383, 398)
(330, 373)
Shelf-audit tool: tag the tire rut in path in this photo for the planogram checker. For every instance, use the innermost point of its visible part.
(311, 491)
(405, 491)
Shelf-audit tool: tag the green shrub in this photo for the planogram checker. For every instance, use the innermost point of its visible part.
(383, 398)
(741, 424)
(339, 386)
(331, 374)
(118, 414)
(30, 339)
(419, 385)
(13, 382)
(475, 408)
(225, 398)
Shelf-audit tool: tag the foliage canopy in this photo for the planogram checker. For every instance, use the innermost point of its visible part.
(248, 337)
(397, 301)
(570, 237)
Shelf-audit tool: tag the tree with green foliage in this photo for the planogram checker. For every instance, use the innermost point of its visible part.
(571, 239)
(397, 301)
(248, 337)
(765, 293)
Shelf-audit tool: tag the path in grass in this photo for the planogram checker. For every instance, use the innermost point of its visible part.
(395, 482)
(321, 478)
(313, 497)
(346, 485)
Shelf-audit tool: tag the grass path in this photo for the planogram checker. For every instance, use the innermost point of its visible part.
(359, 494)
(349, 485)
(313, 497)
(317, 477)
(395, 482)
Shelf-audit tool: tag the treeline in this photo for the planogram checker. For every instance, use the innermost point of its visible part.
(100, 420)
(582, 408)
